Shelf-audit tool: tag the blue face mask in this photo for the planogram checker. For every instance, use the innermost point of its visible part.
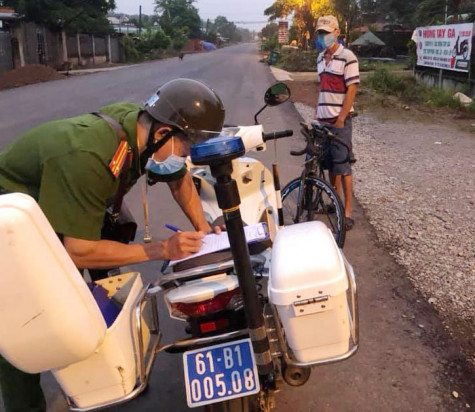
(326, 40)
(164, 171)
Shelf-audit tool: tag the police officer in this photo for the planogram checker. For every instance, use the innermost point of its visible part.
(71, 168)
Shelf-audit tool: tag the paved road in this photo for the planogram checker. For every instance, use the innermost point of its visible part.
(396, 369)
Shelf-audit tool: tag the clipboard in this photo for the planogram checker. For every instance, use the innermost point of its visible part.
(215, 243)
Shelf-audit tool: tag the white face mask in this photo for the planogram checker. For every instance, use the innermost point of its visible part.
(171, 165)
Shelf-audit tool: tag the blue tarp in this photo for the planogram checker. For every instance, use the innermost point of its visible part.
(208, 46)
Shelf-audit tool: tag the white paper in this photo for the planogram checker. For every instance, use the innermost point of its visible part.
(214, 243)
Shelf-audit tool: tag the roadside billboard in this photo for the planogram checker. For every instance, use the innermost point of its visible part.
(444, 47)
(283, 31)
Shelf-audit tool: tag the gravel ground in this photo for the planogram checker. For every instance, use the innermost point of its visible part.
(416, 184)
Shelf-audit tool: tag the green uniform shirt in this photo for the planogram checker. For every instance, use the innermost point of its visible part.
(64, 165)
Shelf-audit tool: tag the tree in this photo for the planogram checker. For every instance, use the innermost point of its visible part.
(348, 11)
(178, 18)
(305, 15)
(226, 29)
(88, 16)
(270, 30)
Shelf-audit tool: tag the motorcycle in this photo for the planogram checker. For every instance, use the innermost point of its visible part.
(221, 296)
(460, 50)
(257, 313)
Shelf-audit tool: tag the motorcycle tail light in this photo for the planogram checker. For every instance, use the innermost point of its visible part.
(227, 300)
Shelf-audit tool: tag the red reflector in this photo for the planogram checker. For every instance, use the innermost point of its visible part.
(207, 327)
(206, 307)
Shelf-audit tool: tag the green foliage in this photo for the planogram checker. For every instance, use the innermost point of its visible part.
(131, 53)
(160, 40)
(416, 12)
(152, 41)
(271, 43)
(86, 16)
(408, 89)
(367, 65)
(221, 27)
(226, 29)
(382, 80)
(270, 30)
(298, 60)
(178, 17)
(412, 52)
(180, 38)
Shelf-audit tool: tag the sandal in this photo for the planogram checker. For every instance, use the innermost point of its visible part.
(349, 223)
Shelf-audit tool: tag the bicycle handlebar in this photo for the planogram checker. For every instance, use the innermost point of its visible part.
(322, 129)
(277, 135)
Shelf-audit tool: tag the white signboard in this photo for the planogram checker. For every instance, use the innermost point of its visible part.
(444, 47)
(283, 31)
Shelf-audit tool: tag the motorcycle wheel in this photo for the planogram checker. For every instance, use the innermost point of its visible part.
(245, 404)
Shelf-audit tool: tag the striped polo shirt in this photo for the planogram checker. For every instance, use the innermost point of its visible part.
(341, 71)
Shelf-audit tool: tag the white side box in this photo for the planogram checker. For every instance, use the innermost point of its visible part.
(111, 372)
(48, 317)
(308, 284)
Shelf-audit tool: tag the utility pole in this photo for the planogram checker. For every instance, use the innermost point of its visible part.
(446, 10)
(140, 21)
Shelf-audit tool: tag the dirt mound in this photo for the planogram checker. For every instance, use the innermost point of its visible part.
(33, 73)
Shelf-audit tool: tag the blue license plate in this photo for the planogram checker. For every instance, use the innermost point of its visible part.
(220, 372)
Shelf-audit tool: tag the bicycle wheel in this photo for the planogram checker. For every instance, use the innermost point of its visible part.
(316, 201)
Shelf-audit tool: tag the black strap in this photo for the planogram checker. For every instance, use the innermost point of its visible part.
(122, 190)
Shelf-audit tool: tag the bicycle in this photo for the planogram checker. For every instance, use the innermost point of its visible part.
(318, 199)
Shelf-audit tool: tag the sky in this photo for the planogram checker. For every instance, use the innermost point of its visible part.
(233, 10)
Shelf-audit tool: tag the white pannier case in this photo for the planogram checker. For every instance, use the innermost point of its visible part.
(308, 285)
(49, 319)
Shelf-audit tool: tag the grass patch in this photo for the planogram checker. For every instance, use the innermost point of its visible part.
(372, 65)
(385, 82)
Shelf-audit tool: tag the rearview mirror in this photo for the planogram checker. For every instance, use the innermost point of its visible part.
(277, 94)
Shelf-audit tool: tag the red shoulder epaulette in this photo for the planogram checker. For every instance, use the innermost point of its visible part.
(117, 162)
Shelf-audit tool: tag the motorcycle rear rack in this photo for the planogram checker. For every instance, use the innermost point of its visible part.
(354, 324)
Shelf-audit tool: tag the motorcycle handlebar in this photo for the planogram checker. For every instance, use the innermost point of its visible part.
(277, 135)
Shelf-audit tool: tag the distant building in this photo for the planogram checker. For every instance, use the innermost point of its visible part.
(122, 24)
(395, 37)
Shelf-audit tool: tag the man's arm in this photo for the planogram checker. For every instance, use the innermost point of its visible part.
(100, 254)
(347, 105)
(185, 194)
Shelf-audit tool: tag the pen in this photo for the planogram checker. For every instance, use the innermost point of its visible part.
(172, 227)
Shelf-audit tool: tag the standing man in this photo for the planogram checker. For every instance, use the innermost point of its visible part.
(339, 78)
(72, 168)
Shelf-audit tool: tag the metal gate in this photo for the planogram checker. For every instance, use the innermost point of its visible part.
(6, 57)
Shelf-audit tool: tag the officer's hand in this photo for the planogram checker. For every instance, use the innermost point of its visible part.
(183, 244)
